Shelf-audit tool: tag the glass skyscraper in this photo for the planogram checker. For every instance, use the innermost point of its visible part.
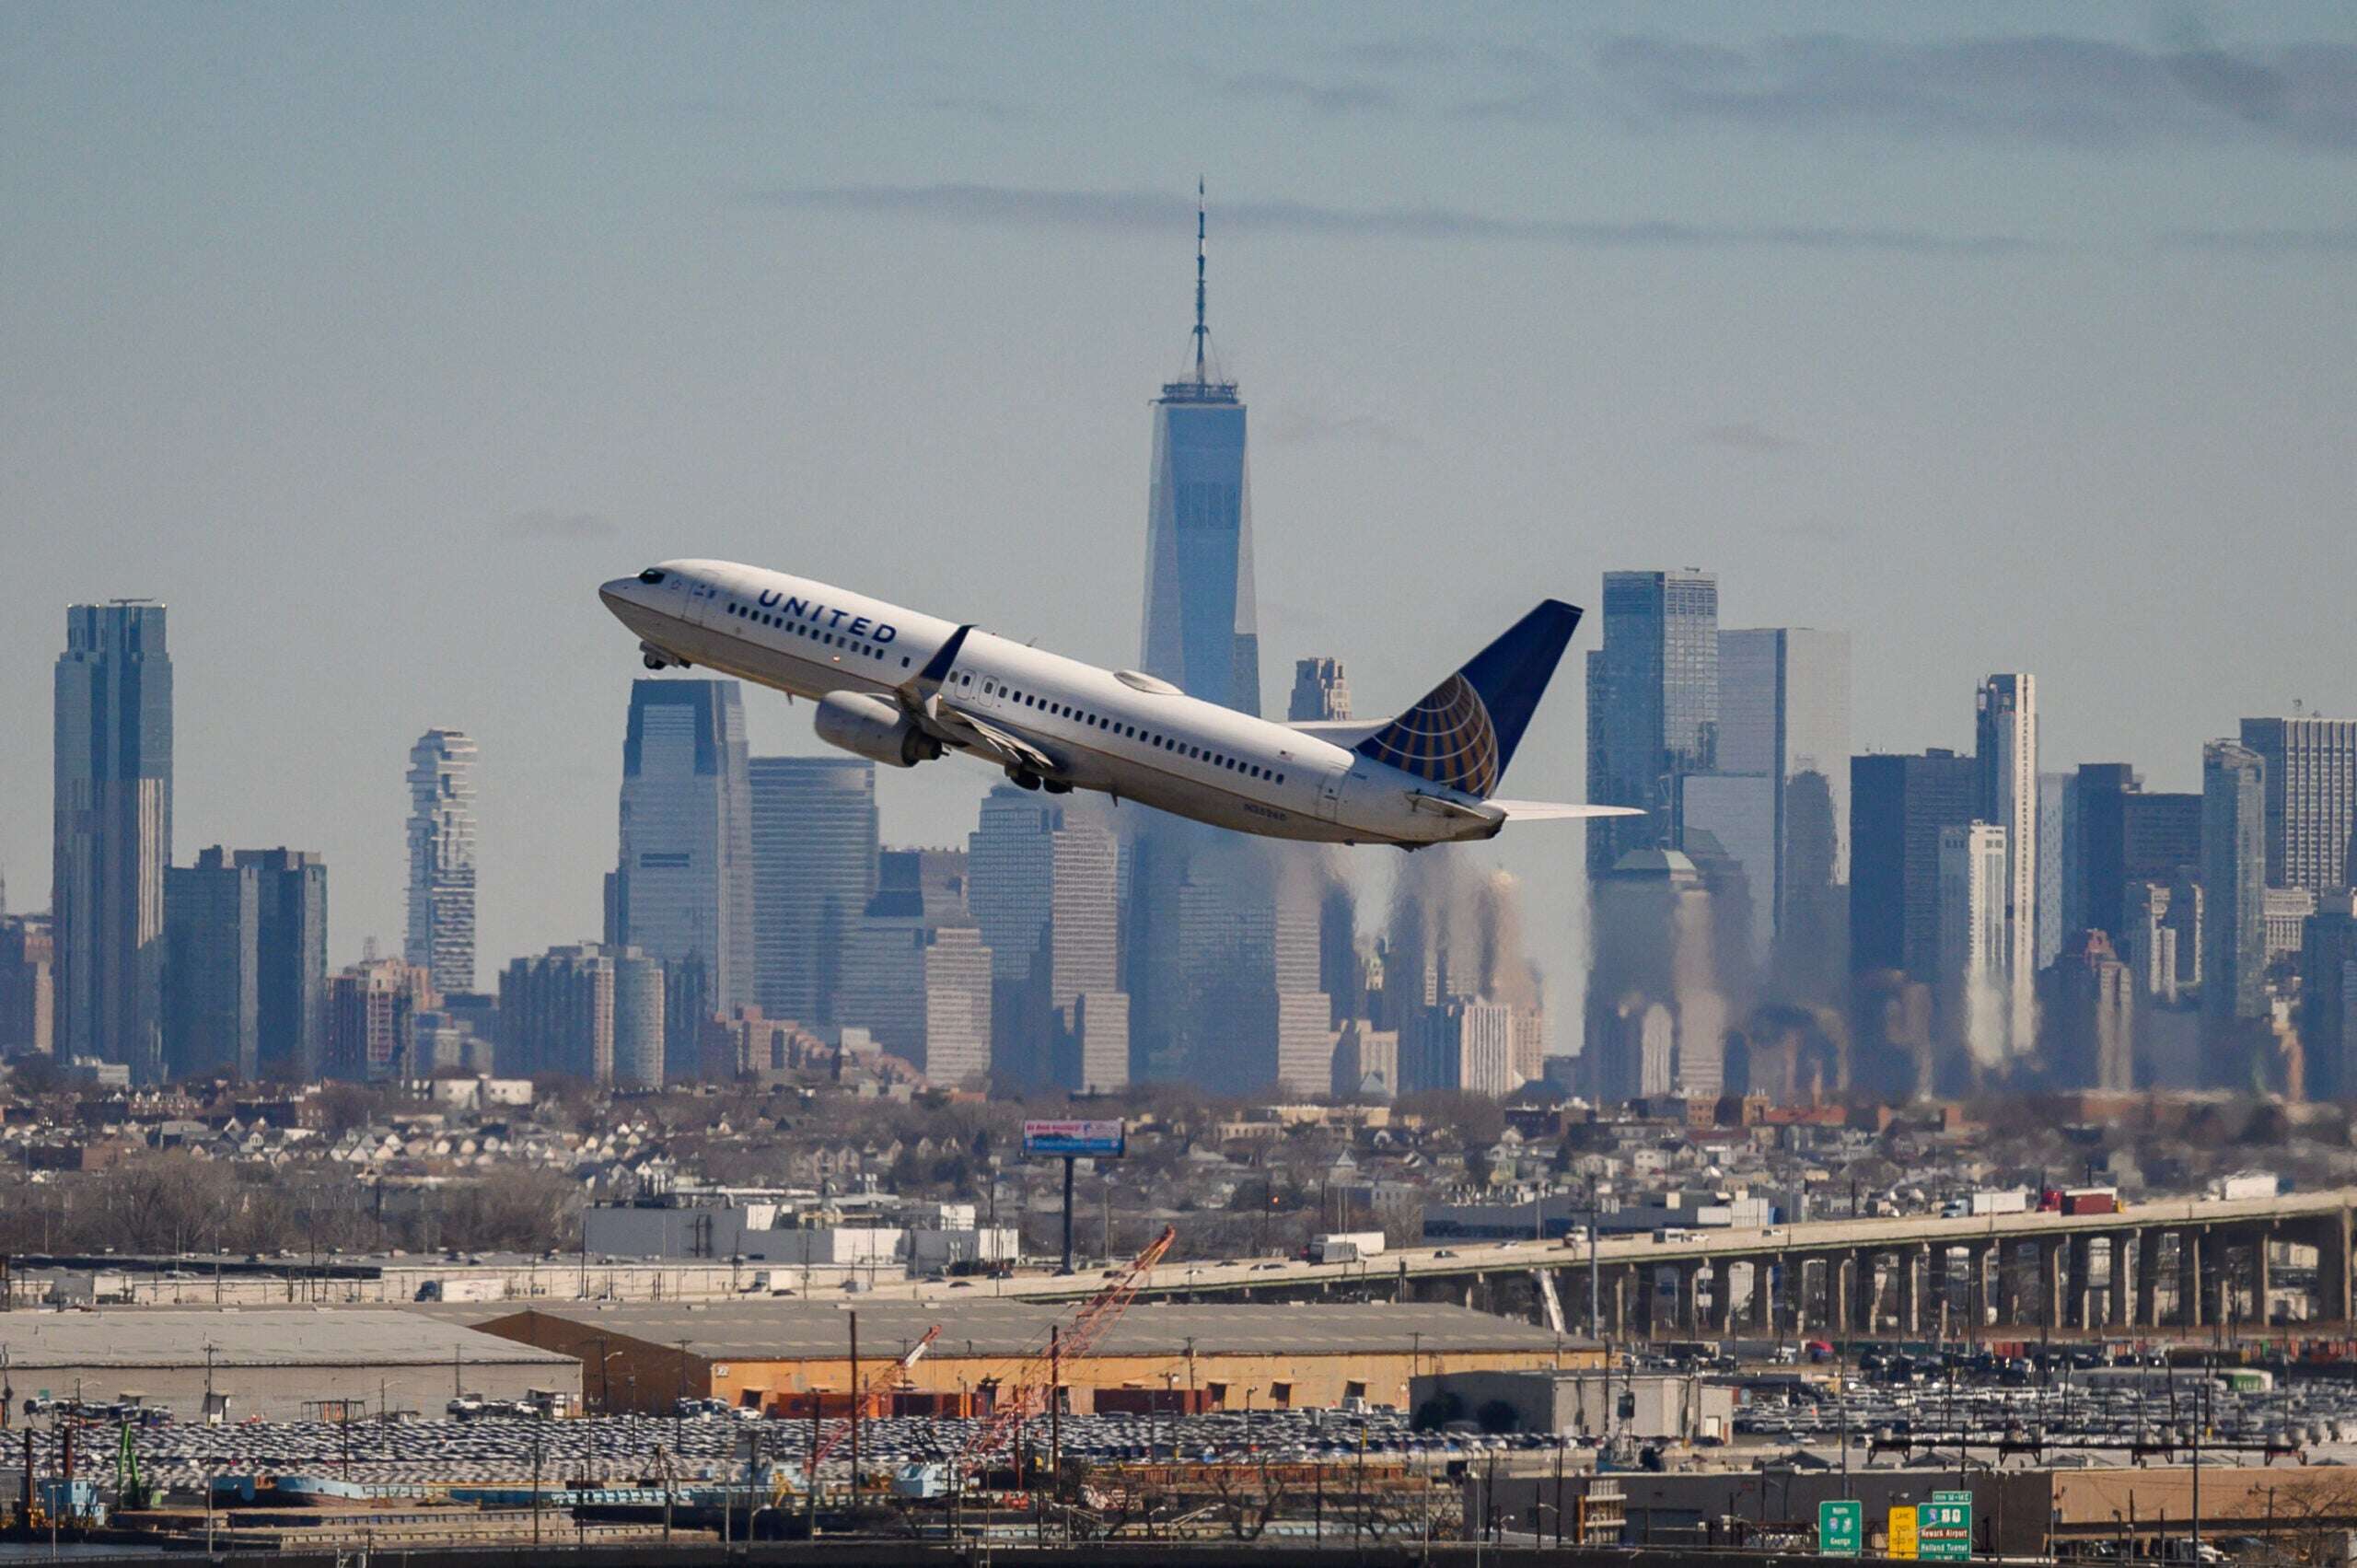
(682, 892)
(113, 833)
(291, 977)
(814, 837)
(441, 937)
(2234, 882)
(1652, 705)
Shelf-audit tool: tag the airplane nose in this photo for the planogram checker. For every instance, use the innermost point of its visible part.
(616, 594)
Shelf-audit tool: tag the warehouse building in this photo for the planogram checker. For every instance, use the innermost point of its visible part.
(763, 1354)
(299, 1364)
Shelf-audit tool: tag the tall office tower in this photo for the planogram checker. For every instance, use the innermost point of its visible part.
(1202, 630)
(1041, 881)
(814, 870)
(291, 956)
(1899, 807)
(212, 940)
(2058, 863)
(1249, 950)
(916, 974)
(1657, 1005)
(2006, 752)
(682, 892)
(2329, 997)
(556, 1012)
(2234, 882)
(1320, 692)
(2284, 915)
(1784, 714)
(369, 1008)
(638, 1048)
(2149, 943)
(1462, 1045)
(2310, 798)
(1974, 937)
(113, 838)
(27, 986)
(1652, 705)
(2090, 1016)
(441, 937)
(2126, 838)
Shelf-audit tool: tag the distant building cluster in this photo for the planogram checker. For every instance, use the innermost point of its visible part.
(1787, 916)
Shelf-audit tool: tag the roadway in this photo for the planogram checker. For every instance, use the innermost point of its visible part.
(1449, 1260)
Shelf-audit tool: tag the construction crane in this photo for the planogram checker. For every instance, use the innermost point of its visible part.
(1027, 1392)
(892, 1372)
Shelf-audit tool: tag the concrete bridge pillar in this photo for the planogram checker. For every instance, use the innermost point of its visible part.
(2261, 1276)
(2148, 1278)
(1976, 1287)
(2080, 1253)
(1912, 1261)
(2189, 1278)
(1763, 1293)
(2053, 1277)
(2218, 1279)
(1687, 1319)
(1837, 1292)
(2332, 1267)
(2115, 1314)
(1869, 1289)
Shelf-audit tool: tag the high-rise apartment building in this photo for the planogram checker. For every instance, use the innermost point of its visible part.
(1462, 1045)
(916, 973)
(557, 1012)
(1652, 705)
(1042, 883)
(369, 1008)
(1973, 978)
(814, 838)
(2234, 882)
(2125, 839)
(28, 987)
(113, 800)
(1321, 694)
(638, 1054)
(2310, 798)
(1657, 1004)
(2058, 864)
(1899, 806)
(683, 890)
(441, 938)
(2006, 756)
(1784, 714)
(2090, 1016)
(2329, 997)
(212, 962)
(291, 959)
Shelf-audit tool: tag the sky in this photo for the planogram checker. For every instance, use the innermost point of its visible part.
(2005, 336)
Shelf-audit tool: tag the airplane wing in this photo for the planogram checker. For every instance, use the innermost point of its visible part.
(1554, 811)
(1004, 746)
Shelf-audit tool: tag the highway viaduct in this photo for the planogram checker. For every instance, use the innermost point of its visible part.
(2177, 1263)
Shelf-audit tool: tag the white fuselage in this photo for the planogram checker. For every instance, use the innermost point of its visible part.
(1125, 735)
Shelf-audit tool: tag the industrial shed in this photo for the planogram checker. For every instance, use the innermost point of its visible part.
(282, 1364)
(757, 1353)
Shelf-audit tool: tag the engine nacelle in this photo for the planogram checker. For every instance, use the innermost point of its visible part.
(873, 728)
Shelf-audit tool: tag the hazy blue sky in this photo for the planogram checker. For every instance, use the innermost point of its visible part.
(372, 338)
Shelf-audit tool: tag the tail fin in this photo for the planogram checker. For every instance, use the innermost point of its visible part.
(1465, 731)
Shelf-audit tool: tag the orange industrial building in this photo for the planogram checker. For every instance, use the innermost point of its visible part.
(775, 1355)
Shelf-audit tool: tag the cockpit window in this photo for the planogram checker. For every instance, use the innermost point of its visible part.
(650, 575)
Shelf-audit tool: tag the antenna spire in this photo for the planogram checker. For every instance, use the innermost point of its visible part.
(1201, 331)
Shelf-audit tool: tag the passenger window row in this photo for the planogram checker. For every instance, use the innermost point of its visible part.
(1129, 731)
(823, 638)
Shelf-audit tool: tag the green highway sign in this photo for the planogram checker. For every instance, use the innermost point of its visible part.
(1944, 1527)
(1841, 1526)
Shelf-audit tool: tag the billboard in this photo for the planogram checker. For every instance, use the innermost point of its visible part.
(1075, 1140)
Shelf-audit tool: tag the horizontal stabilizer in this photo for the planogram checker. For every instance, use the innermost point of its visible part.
(1556, 810)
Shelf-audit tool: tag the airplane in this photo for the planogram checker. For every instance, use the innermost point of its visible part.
(902, 687)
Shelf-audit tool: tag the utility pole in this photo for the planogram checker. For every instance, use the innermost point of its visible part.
(855, 1403)
(1055, 1409)
(1069, 1163)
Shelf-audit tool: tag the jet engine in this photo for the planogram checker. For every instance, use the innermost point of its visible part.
(875, 728)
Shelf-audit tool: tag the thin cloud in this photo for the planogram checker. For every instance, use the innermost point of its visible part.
(1318, 97)
(1746, 435)
(1008, 207)
(2264, 241)
(1304, 426)
(562, 526)
(2044, 87)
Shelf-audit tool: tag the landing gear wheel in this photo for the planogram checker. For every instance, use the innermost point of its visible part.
(652, 661)
(1056, 786)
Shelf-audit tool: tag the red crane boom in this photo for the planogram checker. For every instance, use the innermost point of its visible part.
(889, 1372)
(1026, 1394)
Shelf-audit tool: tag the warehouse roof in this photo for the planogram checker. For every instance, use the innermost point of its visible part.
(787, 1330)
(269, 1337)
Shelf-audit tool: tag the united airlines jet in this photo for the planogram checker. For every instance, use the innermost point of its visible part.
(902, 687)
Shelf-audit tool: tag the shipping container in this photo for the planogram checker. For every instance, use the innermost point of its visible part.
(2091, 1201)
(2245, 1184)
(1346, 1246)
